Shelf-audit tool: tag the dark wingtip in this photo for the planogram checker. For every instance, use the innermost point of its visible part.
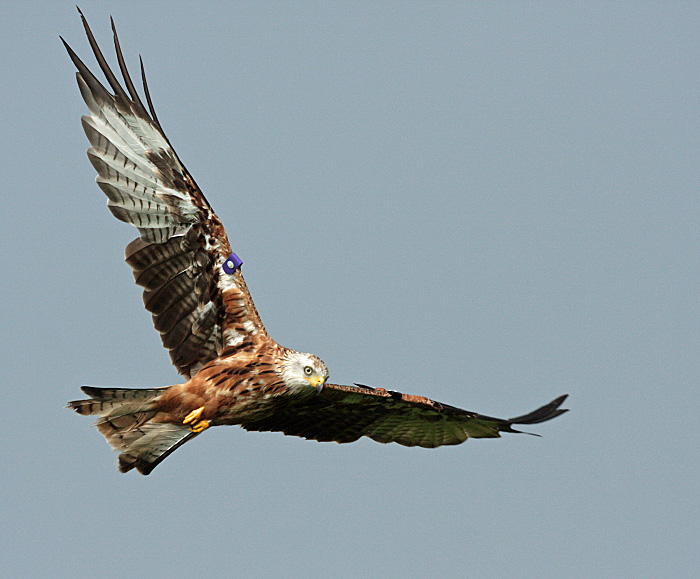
(82, 16)
(542, 414)
(151, 108)
(71, 53)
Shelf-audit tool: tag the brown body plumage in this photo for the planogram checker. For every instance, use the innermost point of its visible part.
(230, 389)
(236, 373)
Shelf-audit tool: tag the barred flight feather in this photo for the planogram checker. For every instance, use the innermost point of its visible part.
(205, 344)
(108, 142)
(166, 321)
(179, 332)
(156, 275)
(125, 195)
(111, 170)
(174, 290)
(141, 255)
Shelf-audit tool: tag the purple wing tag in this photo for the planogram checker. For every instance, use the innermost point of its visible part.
(232, 263)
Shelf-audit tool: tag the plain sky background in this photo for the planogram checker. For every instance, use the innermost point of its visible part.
(488, 204)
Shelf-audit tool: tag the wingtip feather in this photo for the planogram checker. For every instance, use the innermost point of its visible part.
(542, 414)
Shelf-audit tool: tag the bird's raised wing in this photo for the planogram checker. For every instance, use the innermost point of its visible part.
(192, 283)
(345, 413)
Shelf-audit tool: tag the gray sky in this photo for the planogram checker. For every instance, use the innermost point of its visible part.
(490, 205)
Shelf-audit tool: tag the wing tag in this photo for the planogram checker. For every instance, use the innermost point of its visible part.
(232, 263)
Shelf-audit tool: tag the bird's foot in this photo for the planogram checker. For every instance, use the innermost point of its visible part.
(200, 426)
(192, 419)
(193, 416)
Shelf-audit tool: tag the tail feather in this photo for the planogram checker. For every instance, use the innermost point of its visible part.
(154, 446)
(105, 400)
(124, 430)
(126, 421)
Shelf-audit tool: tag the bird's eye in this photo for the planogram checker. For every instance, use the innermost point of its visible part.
(308, 370)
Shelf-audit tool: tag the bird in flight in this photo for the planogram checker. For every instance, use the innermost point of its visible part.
(193, 286)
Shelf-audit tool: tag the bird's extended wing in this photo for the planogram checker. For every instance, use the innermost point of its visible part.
(345, 413)
(200, 305)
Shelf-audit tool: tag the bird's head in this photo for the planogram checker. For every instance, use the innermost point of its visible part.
(300, 370)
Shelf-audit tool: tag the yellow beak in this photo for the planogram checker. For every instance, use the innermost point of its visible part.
(317, 381)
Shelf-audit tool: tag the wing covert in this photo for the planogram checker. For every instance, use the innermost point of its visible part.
(197, 307)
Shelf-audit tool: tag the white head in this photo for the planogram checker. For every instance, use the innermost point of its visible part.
(303, 370)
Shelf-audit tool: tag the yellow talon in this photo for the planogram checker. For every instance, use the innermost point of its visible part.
(194, 415)
(200, 426)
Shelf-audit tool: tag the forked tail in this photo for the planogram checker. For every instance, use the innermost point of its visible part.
(126, 421)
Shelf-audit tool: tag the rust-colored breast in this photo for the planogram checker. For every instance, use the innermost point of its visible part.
(232, 388)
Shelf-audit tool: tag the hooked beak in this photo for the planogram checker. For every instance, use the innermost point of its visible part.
(318, 382)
